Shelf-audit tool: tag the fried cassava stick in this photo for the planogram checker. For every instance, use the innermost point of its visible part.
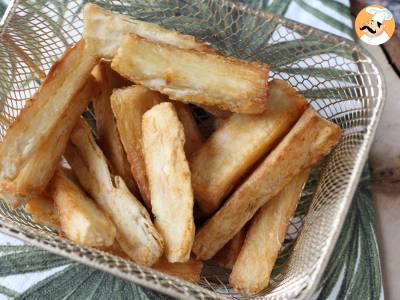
(253, 267)
(239, 143)
(309, 140)
(106, 127)
(169, 179)
(135, 231)
(104, 32)
(129, 105)
(43, 211)
(80, 218)
(192, 76)
(26, 164)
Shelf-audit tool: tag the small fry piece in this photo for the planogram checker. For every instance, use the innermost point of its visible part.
(169, 178)
(193, 76)
(104, 32)
(135, 232)
(129, 105)
(254, 265)
(227, 256)
(26, 164)
(190, 270)
(43, 211)
(81, 220)
(106, 126)
(309, 140)
(239, 143)
(193, 137)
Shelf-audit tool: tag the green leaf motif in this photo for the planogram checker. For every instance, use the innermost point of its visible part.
(356, 252)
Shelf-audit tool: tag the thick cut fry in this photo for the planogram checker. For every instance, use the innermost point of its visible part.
(104, 32)
(239, 143)
(33, 145)
(135, 232)
(106, 126)
(227, 256)
(169, 179)
(129, 105)
(264, 239)
(81, 220)
(193, 76)
(193, 136)
(309, 140)
(43, 211)
(216, 112)
(190, 270)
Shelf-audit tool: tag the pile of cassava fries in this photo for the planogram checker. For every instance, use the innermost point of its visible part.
(153, 189)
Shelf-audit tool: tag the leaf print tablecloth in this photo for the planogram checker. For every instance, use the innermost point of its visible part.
(354, 272)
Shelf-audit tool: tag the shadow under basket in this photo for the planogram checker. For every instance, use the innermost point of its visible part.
(339, 79)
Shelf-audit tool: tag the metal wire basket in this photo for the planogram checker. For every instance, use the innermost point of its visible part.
(340, 80)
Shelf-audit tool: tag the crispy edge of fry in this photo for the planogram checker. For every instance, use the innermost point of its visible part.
(227, 256)
(106, 127)
(138, 238)
(264, 239)
(23, 142)
(80, 218)
(43, 211)
(309, 140)
(169, 180)
(37, 172)
(216, 112)
(174, 82)
(193, 137)
(190, 270)
(105, 30)
(218, 165)
(128, 105)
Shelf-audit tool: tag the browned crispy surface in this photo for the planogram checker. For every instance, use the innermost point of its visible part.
(106, 127)
(227, 256)
(239, 142)
(193, 137)
(129, 104)
(80, 218)
(169, 179)
(26, 164)
(104, 32)
(190, 270)
(136, 233)
(309, 140)
(253, 267)
(43, 211)
(192, 76)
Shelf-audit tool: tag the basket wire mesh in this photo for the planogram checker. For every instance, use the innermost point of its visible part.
(340, 80)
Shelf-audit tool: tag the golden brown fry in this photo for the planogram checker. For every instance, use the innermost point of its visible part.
(104, 32)
(106, 126)
(135, 232)
(26, 164)
(193, 76)
(309, 140)
(264, 239)
(241, 141)
(169, 180)
(43, 211)
(193, 137)
(227, 256)
(190, 270)
(129, 105)
(81, 220)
